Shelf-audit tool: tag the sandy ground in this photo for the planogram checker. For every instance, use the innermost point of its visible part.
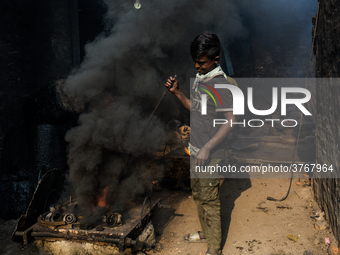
(251, 224)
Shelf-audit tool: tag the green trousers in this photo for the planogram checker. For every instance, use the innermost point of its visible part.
(205, 193)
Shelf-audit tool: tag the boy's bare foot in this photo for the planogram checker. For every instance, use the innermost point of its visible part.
(212, 251)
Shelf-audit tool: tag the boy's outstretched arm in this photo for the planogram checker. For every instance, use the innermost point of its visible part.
(204, 153)
(173, 86)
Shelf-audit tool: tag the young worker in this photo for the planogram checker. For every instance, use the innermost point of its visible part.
(207, 143)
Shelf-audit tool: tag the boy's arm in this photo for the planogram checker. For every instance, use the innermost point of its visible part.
(221, 134)
(173, 86)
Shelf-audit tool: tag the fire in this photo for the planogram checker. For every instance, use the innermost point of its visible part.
(187, 151)
(102, 199)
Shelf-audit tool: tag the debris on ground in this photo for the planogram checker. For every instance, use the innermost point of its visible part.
(333, 249)
(293, 238)
(321, 225)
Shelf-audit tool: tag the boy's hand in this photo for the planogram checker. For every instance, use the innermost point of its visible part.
(172, 84)
(202, 156)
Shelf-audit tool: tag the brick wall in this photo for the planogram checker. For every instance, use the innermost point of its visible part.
(327, 51)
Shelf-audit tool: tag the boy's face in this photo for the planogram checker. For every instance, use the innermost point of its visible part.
(204, 64)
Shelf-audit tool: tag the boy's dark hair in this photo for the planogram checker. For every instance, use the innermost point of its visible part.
(205, 44)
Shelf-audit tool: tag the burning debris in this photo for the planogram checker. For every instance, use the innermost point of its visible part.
(68, 215)
(60, 223)
(117, 84)
(66, 222)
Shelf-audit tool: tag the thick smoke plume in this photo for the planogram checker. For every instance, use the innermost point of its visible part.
(123, 75)
(120, 81)
(129, 56)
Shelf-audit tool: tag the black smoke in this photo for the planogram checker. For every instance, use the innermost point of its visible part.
(120, 81)
(122, 77)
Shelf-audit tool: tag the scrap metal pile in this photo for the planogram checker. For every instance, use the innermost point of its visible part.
(67, 221)
(63, 223)
(67, 215)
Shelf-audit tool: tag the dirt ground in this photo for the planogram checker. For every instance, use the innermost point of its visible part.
(251, 224)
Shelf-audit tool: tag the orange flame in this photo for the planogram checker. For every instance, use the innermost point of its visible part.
(102, 199)
(187, 151)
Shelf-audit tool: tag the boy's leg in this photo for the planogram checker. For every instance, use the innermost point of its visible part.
(206, 196)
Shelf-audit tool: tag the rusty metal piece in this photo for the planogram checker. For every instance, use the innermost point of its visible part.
(50, 224)
(70, 218)
(48, 217)
(114, 219)
(25, 235)
(56, 216)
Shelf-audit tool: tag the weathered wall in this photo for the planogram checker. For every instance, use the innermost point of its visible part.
(327, 50)
(36, 50)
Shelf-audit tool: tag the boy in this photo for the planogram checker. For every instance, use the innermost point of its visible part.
(206, 142)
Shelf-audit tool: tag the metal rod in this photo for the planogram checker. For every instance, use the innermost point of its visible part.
(158, 104)
(151, 115)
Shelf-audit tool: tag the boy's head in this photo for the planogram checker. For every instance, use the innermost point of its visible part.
(205, 44)
(205, 51)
